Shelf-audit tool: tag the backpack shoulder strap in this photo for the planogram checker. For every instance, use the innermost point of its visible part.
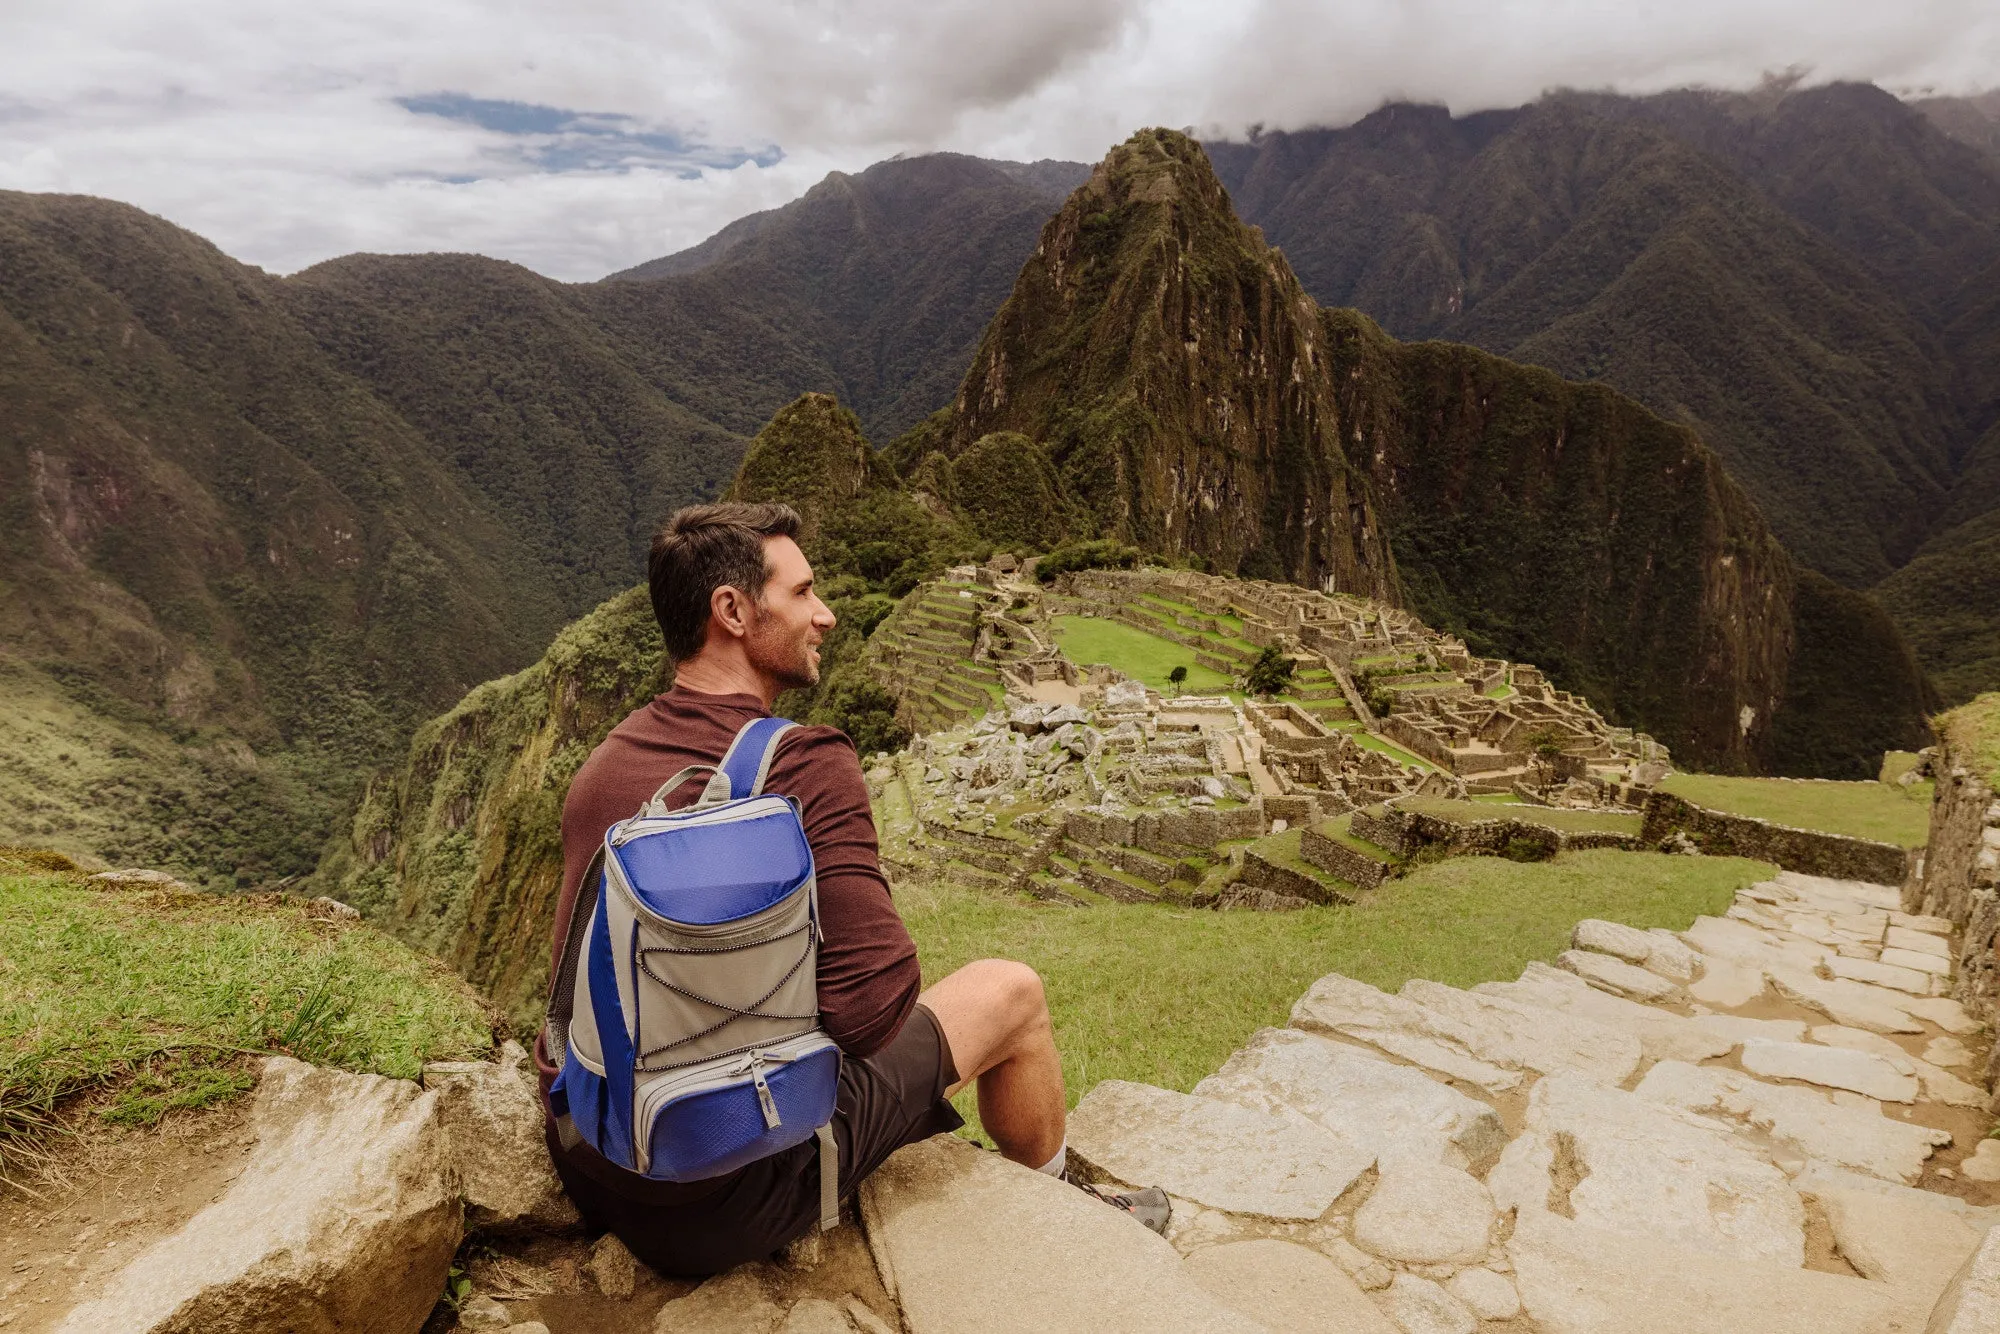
(562, 985)
(748, 762)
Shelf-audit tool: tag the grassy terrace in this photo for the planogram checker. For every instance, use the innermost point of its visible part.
(1146, 657)
(1163, 995)
(1879, 811)
(156, 1000)
(1974, 729)
(1575, 822)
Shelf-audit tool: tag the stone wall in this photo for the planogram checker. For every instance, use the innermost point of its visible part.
(1406, 832)
(1342, 862)
(1959, 876)
(1806, 851)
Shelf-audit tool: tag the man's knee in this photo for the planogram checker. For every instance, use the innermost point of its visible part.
(1012, 991)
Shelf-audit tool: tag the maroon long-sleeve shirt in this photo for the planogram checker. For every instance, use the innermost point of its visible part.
(868, 977)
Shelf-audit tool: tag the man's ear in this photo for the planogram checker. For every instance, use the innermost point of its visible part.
(730, 609)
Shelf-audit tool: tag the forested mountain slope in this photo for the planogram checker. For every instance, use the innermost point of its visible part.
(1804, 276)
(256, 528)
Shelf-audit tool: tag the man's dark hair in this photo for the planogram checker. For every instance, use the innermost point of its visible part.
(702, 548)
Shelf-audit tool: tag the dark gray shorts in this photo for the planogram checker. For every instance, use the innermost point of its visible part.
(885, 1101)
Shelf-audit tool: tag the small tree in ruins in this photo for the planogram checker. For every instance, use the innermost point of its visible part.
(1177, 678)
(1271, 673)
(1546, 747)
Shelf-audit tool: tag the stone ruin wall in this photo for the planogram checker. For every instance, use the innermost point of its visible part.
(1806, 851)
(1958, 878)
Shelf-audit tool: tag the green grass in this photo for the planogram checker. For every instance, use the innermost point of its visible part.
(1369, 741)
(1598, 822)
(1162, 995)
(1974, 730)
(1879, 811)
(1145, 657)
(156, 998)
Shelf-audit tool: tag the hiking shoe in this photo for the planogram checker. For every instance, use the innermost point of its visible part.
(1150, 1206)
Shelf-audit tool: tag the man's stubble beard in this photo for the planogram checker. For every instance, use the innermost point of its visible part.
(788, 659)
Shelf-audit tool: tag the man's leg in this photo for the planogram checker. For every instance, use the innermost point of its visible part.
(996, 1021)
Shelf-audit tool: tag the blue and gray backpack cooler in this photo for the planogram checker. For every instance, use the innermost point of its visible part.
(684, 1014)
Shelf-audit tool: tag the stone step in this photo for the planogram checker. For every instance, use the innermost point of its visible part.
(968, 1243)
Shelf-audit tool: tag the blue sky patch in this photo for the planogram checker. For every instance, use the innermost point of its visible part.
(555, 139)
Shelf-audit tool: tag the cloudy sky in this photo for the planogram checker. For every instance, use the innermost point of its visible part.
(583, 137)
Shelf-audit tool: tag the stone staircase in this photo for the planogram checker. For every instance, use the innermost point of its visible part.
(1757, 1124)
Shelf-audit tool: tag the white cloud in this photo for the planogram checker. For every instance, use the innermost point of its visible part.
(279, 133)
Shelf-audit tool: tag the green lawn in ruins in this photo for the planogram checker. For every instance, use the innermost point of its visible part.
(1163, 995)
(1148, 658)
(1885, 812)
(158, 999)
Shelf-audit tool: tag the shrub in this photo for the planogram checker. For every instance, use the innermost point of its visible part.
(1096, 554)
(1271, 673)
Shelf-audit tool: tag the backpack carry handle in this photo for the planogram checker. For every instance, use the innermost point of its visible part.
(740, 773)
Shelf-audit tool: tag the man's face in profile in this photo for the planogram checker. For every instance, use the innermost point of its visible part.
(789, 620)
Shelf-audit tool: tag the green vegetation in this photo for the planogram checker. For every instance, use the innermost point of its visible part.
(1144, 657)
(1974, 730)
(1552, 817)
(156, 998)
(1884, 812)
(1150, 993)
(1097, 554)
(1271, 673)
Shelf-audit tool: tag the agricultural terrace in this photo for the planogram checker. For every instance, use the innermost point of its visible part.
(1884, 812)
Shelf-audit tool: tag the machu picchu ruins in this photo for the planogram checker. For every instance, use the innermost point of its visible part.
(1073, 781)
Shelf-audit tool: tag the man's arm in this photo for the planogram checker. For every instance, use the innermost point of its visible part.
(868, 974)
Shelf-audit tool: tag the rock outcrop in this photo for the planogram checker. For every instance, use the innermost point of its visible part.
(344, 1219)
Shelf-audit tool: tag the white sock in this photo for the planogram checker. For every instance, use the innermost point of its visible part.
(1054, 1166)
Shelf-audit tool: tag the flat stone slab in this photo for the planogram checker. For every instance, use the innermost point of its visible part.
(1518, 1036)
(1658, 950)
(1422, 1306)
(1971, 1302)
(1751, 946)
(1935, 926)
(1628, 1164)
(1851, 1003)
(1620, 978)
(1915, 981)
(1861, 893)
(1920, 942)
(1358, 1096)
(1737, 1029)
(1898, 1240)
(967, 1243)
(1487, 1295)
(1939, 1085)
(343, 1220)
(1343, 1006)
(1727, 984)
(1244, 1160)
(1282, 1285)
(1830, 1067)
(1578, 1279)
(1943, 1011)
(1425, 1212)
(1662, 1034)
(1917, 961)
(1947, 1052)
(1803, 1119)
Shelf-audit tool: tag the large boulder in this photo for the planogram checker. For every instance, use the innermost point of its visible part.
(969, 1243)
(491, 1117)
(344, 1219)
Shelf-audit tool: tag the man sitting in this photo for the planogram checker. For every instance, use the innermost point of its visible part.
(734, 597)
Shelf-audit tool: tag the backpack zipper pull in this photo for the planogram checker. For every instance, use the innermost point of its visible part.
(764, 1098)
